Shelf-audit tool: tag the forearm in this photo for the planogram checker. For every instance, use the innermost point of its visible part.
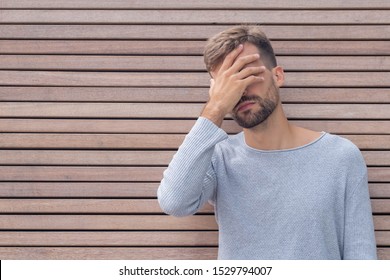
(188, 182)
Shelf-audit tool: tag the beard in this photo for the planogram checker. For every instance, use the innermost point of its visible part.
(267, 106)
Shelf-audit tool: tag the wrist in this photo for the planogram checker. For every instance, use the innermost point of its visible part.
(214, 113)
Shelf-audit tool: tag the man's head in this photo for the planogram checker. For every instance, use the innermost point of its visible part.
(226, 41)
(260, 99)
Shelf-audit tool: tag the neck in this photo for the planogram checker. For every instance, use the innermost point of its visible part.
(275, 133)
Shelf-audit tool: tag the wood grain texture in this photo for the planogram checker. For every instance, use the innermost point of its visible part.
(172, 126)
(96, 97)
(114, 238)
(92, 189)
(125, 222)
(127, 238)
(177, 79)
(115, 206)
(101, 206)
(110, 253)
(195, 17)
(123, 158)
(188, 48)
(183, 63)
(65, 173)
(110, 190)
(181, 110)
(116, 174)
(112, 222)
(188, 32)
(96, 253)
(201, 4)
(184, 94)
(136, 141)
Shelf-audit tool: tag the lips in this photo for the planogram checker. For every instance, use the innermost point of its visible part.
(244, 105)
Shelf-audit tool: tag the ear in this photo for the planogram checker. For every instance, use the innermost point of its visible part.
(278, 75)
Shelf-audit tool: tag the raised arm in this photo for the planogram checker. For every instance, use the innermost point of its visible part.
(189, 181)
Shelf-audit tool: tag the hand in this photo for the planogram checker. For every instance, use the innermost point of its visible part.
(229, 84)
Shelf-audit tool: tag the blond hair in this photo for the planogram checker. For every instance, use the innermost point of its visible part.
(221, 44)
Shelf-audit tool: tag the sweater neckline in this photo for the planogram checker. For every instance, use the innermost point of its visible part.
(250, 149)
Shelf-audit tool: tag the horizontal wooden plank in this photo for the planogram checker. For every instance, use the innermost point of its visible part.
(121, 94)
(377, 158)
(194, 16)
(139, 47)
(378, 174)
(378, 206)
(174, 126)
(200, 4)
(113, 238)
(174, 79)
(382, 222)
(148, 94)
(115, 174)
(191, 32)
(107, 158)
(107, 222)
(123, 158)
(125, 222)
(115, 206)
(379, 190)
(103, 206)
(173, 47)
(91, 141)
(110, 190)
(383, 253)
(65, 173)
(369, 142)
(96, 253)
(382, 238)
(94, 189)
(182, 63)
(136, 141)
(129, 238)
(181, 110)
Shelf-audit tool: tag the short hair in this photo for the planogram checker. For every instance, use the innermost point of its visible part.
(223, 43)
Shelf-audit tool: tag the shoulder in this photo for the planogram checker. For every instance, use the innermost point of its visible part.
(343, 152)
(231, 142)
(341, 145)
(230, 148)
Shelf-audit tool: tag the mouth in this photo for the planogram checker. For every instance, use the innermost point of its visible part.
(243, 106)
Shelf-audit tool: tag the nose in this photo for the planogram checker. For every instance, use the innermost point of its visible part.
(245, 92)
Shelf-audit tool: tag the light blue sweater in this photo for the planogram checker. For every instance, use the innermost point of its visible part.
(310, 202)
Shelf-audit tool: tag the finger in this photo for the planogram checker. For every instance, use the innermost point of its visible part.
(231, 57)
(242, 61)
(246, 72)
(252, 79)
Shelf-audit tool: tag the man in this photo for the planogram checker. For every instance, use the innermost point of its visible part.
(279, 191)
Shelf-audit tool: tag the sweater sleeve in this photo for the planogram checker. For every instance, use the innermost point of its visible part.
(359, 237)
(190, 181)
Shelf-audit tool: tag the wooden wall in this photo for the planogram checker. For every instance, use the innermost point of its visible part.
(96, 96)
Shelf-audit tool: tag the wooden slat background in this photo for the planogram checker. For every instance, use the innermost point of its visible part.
(96, 96)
